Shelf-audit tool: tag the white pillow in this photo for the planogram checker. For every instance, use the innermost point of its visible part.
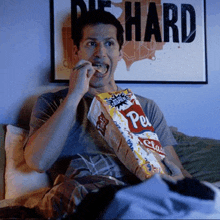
(19, 178)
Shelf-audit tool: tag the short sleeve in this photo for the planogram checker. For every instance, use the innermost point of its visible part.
(44, 108)
(158, 121)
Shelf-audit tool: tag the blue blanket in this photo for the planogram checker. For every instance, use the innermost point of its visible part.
(161, 198)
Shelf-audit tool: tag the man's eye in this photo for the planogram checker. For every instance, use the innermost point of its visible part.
(91, 44)
(109, 43)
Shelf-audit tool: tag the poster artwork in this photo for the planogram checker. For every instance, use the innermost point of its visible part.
(164, 39)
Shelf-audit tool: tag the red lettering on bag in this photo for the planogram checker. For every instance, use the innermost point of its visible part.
(153, 145)
(101, 123)
(137, 121)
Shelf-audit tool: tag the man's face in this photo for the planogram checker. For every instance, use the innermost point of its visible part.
(99, 45)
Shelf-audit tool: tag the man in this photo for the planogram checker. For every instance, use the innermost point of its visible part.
(62, 140)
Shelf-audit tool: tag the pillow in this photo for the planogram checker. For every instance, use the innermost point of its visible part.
(19, 178)
(199, 156)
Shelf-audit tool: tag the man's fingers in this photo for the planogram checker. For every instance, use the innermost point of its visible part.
(86, 66)
(175, 170)
(78, 67)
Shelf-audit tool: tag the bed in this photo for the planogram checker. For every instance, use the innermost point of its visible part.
(21, 188)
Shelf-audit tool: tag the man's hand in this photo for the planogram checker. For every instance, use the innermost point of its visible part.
(80, 78)
(176, 172)
(171, 156)
(186, 173)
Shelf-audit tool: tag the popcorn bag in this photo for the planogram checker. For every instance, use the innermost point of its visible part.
(120, 119)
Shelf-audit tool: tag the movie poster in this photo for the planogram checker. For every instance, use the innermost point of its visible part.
(165, 40)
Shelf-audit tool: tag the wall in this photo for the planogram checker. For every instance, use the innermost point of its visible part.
(25, 71)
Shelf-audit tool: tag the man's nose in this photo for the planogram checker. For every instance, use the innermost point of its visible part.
(100, 50)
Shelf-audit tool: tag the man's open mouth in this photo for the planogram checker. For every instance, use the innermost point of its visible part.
(101, 67)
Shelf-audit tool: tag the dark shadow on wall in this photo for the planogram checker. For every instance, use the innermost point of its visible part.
(44, 75)
(25, 112)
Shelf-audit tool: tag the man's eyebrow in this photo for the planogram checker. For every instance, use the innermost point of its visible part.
(93, 38)
(90, 38)
(110, 38)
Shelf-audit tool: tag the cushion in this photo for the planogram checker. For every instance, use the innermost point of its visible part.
(2, 161)
(199, 156)
(19, 178)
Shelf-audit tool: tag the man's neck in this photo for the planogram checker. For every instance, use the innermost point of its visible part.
(108, 88)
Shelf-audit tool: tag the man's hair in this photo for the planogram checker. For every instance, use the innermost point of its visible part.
(94, 17)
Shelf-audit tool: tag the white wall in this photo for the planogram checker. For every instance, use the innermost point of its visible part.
(25, 70)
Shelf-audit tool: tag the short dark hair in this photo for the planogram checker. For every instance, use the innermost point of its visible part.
(94, 17)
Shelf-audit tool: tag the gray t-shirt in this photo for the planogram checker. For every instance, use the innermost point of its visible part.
(84, 138)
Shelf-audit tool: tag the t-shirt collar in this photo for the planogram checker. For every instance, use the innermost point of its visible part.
(92, 96)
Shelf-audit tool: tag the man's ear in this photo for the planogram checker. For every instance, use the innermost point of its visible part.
(75, 57)
(75, 50)
(120, 54)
